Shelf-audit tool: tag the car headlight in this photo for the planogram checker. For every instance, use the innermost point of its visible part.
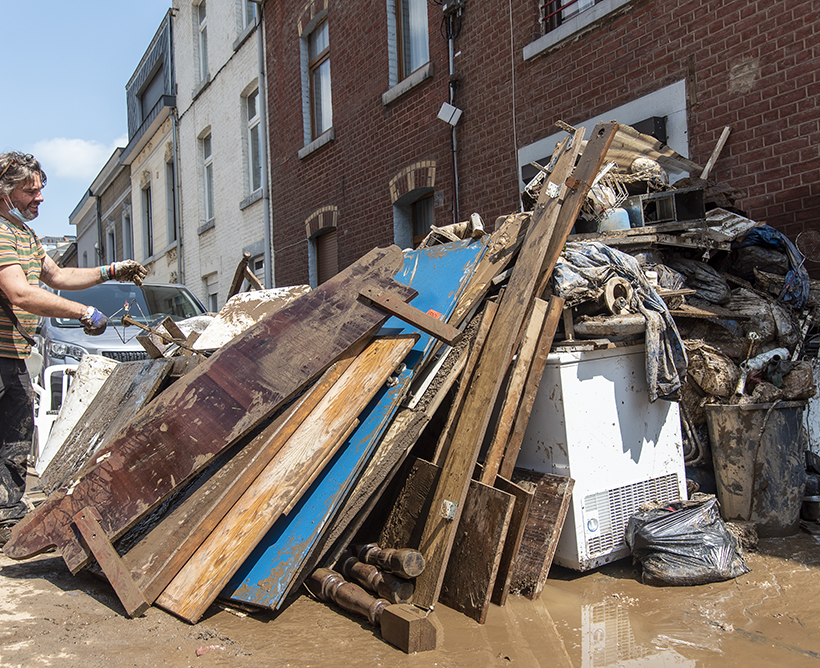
(60, 349)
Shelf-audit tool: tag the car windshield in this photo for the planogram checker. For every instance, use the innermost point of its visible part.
(145, 304)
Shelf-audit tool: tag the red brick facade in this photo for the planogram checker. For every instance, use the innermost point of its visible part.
(753, 66)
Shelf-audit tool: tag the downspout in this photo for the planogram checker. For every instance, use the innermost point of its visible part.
(452, 80)
(175, 149)
(98, 207)
(263, 120)
(178, 197)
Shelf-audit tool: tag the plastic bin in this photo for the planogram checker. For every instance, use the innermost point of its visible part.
(757, 451)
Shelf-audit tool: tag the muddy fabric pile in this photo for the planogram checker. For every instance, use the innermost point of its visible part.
(580, 275)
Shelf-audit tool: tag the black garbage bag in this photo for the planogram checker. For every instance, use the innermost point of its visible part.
(684, 544)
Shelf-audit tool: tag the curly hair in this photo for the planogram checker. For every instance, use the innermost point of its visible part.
(16, 169)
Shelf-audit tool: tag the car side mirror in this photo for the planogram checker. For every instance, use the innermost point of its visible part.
(39, 329)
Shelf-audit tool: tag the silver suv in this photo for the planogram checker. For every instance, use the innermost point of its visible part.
(63, 341)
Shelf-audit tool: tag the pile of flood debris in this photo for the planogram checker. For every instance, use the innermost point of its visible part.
(361, 438)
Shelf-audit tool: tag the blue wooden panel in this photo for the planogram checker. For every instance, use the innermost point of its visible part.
(439, 275)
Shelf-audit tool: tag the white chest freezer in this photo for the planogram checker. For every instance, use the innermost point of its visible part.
(592, 421)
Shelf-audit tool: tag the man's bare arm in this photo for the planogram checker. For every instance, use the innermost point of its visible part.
(68, 278)
(35, 300)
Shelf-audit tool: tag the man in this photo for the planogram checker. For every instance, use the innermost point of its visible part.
(23, 264)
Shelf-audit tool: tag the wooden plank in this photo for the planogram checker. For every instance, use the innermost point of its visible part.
(404, 523)
(163, 548)
(477, 549)
(439, 531)
(515, 389)
(502, 246)
(524, 494)
(199, 582)
(294, 545)
(87, 522)
(129, 387)
(546, 519)
(716, 152)
(425, 322)
(443, 444)
(211, 408)
(243, 311)
(539, 363)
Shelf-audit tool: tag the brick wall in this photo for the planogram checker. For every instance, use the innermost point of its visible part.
(751, 65)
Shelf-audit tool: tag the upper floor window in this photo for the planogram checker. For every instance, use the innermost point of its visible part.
(147, 222)
(566, 19)
(248, 13)
(412, 33)
(202, 17)
(556, 12)
(321, 108)
(208, 177)
(254, 141)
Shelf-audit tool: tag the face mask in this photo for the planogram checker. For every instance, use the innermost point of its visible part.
(19, 215)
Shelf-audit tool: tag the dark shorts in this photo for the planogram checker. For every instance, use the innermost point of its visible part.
(16, 432)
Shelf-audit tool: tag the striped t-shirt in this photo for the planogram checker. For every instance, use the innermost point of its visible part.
(19, 245)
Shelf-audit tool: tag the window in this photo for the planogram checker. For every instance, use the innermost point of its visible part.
(421, 215)
(171, 201)
(412, 33)
(152, 93)
(203, 41)
(208, 177)
(110, 246)
(248, 12)
(257, 265)
(556, 12)
(327, 263)
(321, 109)
(147, 222)
(127, 237)
(563, 19)
(254, 142)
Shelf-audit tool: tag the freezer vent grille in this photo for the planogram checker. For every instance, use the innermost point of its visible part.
(614, 507)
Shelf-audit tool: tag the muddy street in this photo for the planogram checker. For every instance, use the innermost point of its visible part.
(605, 617)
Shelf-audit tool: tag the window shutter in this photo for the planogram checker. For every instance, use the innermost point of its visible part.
(326, 256)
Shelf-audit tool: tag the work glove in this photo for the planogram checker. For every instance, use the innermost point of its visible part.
(127, 270)
(93, 322)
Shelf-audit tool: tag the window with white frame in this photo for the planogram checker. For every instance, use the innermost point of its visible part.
(321, 108)
(561, 19)
(207, 177)
(254, 141)
(147, 222)
(202, 26)
(412, 35)
(248, 12)
(413, 216)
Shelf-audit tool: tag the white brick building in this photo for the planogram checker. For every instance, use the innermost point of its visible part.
(221, 143)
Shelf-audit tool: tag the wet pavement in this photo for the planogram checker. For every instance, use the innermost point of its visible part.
(604, 617)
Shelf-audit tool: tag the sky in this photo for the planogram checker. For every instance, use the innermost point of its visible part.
(63, 89)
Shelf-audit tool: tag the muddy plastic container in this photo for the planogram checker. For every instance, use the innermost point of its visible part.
(757, 451)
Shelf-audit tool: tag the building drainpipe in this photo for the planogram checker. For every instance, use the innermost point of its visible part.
(454, 145)
(178, 189)
(98, 208)
(263, 120)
